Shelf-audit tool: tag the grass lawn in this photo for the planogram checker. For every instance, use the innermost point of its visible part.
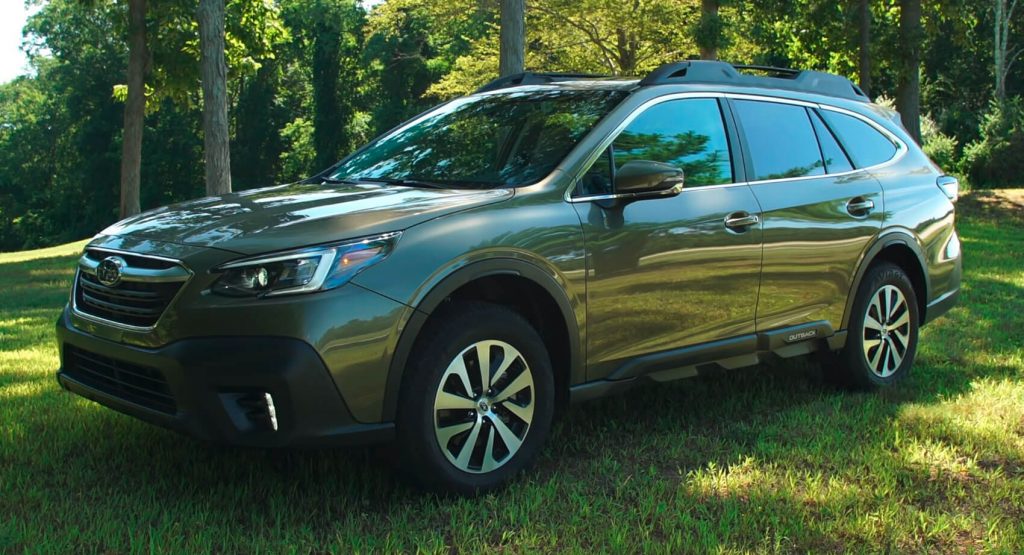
(765, 460)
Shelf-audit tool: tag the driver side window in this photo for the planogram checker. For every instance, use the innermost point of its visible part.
(687, 133)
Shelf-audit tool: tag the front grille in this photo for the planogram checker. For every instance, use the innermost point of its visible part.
(133, 260)
(139, 384)
(130, 302)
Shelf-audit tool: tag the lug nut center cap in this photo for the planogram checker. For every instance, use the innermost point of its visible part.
(483, 406)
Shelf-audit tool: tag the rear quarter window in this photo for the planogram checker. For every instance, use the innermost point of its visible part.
(866, 145)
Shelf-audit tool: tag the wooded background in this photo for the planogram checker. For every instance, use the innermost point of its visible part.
(303, 82)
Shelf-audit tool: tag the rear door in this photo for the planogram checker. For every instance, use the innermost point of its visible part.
(819, 211)
(674, 271)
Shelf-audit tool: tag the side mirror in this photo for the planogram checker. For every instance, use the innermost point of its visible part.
(647, 178)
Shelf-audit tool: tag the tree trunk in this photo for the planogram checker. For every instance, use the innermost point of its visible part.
(1001, 54)
(329, 117)
(864, 13)
(998, 51)
(134, 109)
(213, 72)
(626, 47)
(513, 37)
(908, 91)
(710, 33)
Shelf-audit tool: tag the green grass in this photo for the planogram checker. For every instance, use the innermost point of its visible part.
(759, 460)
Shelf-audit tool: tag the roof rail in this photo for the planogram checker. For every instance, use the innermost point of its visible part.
(721, 73)
(531, 78)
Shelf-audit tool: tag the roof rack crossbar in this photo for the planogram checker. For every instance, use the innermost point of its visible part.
(532, 78)
(721, 73)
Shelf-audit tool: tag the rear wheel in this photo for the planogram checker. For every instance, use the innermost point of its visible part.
(882, 337)
(478, 401)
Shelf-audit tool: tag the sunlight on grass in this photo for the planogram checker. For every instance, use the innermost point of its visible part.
(60, 250)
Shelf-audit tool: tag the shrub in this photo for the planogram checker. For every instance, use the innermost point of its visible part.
(997, 158)
(941, 148)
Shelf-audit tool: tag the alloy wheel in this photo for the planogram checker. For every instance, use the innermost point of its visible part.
(886, 330)
(484, 406)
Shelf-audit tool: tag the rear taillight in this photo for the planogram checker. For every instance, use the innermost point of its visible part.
(950, 186)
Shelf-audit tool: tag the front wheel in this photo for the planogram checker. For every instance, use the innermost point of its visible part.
(478, 400)
(883, 330)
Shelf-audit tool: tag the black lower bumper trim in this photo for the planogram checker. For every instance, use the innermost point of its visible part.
(207, 376)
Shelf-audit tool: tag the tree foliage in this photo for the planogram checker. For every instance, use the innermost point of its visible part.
(311, 80)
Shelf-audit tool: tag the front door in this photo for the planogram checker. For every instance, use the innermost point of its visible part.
(675, 271)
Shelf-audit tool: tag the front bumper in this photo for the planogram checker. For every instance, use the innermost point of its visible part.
(211, 383)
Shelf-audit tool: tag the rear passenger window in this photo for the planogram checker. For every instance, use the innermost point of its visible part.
(781, 140)
(835, 159)
(865, 145)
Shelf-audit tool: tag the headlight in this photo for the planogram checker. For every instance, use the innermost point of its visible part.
(304, 270)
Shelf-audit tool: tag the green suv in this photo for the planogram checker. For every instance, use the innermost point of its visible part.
(549, 239)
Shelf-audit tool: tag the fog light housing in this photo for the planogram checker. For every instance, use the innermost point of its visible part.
(251, 410)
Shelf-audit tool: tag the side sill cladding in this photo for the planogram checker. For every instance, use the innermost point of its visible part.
(888, 239)
(712, 357)
(452, 283)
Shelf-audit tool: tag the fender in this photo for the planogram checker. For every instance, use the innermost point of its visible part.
(887, 238)
(432, 300)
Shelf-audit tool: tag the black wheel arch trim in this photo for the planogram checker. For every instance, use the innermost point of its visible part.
(451, 283)
(886, 239)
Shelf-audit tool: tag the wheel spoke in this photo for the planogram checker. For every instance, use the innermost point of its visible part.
(458, 367)
(903, 320)
(904, 338)
(466, 453)
(450, 401)
(523, 413)
(897, 358)
(489, 463)
(522, 381)
(508, 436)
(444, 435)
(886, 358)
(483, 357)
(876, 358)
(869, 343)
(876, 307)
(505, 364)
(894, 303)
(871, 323)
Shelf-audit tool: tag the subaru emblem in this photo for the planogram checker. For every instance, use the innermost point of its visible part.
(109, 271)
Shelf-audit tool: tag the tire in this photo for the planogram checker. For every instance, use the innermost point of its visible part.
(880, 348)
(444, 407)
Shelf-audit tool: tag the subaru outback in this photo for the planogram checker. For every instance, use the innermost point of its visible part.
(549, 239)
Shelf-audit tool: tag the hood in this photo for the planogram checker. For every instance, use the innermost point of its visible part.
(289, 216)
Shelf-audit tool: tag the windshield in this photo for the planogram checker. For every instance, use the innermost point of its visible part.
(498, 140)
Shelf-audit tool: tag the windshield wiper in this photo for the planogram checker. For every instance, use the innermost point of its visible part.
(403, 182)
(332, 181)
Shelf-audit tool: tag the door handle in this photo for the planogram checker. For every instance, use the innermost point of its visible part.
(740, 220)
(860, 206)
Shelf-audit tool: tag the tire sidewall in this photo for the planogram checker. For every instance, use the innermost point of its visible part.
(460, 328)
